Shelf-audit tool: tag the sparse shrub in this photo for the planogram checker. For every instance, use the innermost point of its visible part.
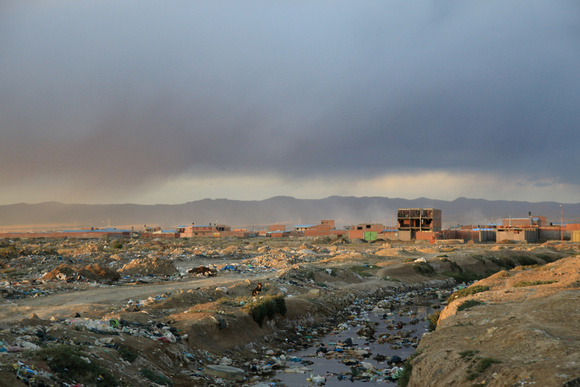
(266, 307)
(407, 370)
(524, 260)
(127, 354)
(433, 319)
(503, 262)
(155, 378)
(523, 284)
(423, 268)
(547, 257)
(468, 355)
(468, 304)
(361, 270)
(480, 258)
(67, 363)
(485, 363)
(467, 292)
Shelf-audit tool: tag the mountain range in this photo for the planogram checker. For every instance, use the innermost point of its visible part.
(258, 214)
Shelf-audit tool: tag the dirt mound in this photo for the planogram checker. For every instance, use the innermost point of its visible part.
(92, 272)
(151, 265)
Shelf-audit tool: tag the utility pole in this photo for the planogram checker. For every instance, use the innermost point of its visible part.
(561, 225)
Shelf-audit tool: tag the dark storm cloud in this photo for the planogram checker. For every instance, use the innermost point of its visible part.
(124, 93)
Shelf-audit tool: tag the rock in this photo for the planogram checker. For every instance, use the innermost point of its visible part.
(225, 372)
(394, 360)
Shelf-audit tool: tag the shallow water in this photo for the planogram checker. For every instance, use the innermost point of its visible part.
(331, 365)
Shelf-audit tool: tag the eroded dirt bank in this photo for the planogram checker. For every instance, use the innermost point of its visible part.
(134, 315)
(515, 328)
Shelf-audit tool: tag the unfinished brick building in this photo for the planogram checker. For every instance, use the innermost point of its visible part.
(411, 221)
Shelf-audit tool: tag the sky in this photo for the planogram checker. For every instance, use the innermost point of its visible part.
(175, 101)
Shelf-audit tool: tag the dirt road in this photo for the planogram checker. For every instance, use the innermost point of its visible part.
(100, 300)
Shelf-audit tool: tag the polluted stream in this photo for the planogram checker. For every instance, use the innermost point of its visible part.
(369, 348)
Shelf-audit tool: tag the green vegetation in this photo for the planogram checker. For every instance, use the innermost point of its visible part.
(485, 363)
(117, 245)
(361, 270)
(155, 378)
(547, 257)
(523, 284)
(266, 307)
(407, 370)
(68, 364)
(433, 319)
(481, 364)
(480, 258)
(468, 355)
(467, 292)
(524, 260)
(504, 263)
(423, 268)
(468, 304)
(127, 354)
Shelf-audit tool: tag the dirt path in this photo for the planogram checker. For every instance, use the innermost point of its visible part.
(97, 300)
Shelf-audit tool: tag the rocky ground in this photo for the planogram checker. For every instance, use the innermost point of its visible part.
(137, 312)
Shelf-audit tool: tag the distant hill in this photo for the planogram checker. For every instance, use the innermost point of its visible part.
(277, 210)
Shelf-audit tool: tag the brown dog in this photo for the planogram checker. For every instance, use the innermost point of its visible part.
(257, 290)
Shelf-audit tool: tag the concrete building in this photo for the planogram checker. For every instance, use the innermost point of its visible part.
(530, 221)
(210, 230)
(366, 231)
(426, 221)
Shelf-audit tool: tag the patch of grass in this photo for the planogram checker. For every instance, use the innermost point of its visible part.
(467, 292)
(468, 355)
(433, 319)
(504, 263)
(68, 364)
(468, 304)
(127, 354)
(480, 258)
(546, 257)
(407, 370)
(485, 363)
(523, 284)
(361, 270)
(117, 245)
(406, 260)
(423, 268)
(306, 274)
(266, 307)
(525, 260)
(155, 378)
